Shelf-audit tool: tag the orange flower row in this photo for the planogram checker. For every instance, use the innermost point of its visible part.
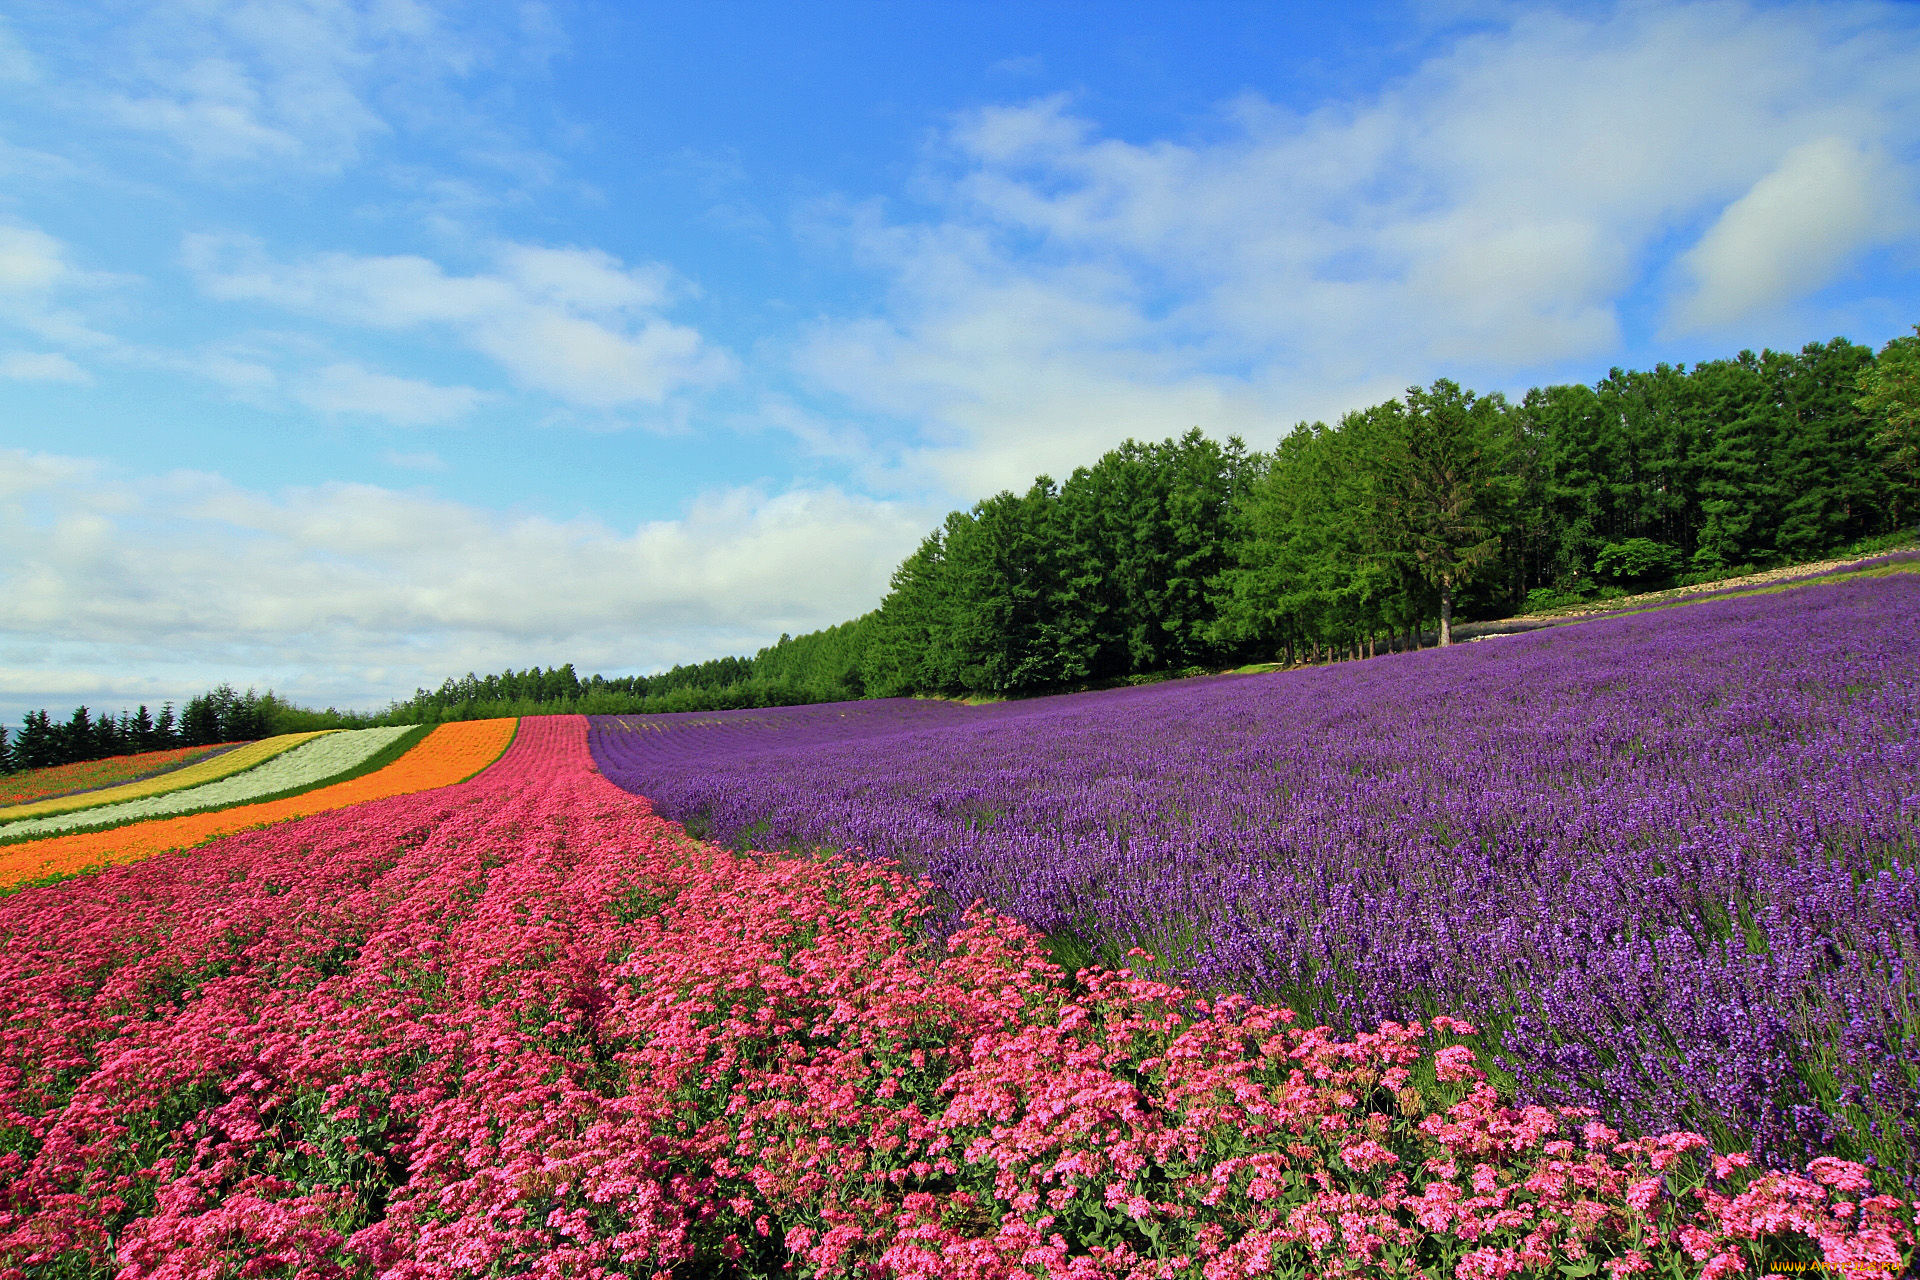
(451, 753)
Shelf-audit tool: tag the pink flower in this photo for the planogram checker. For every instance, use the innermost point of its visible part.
(1367, 1154)
(1642, 1195)
(1841, 1175)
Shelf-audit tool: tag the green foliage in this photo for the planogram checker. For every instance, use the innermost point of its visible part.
(1094, 580)
(1547, 599)
(825, 664)
(1890, 401)
(1636, 560)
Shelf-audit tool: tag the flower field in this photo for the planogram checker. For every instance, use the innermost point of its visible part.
(90, 775)
(522, 1025)
(306, 765)
(1667, 862)
(225, 765)
(447, 755)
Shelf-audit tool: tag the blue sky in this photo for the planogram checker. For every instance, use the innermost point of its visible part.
(346, 346)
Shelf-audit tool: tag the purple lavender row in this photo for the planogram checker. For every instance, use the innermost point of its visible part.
(1667, 859)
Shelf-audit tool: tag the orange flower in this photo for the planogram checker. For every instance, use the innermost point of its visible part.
(452, 753)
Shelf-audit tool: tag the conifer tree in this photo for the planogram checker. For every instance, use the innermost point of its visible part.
(35, 748)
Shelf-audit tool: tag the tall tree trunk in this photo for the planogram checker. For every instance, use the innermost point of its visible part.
(1446, 612)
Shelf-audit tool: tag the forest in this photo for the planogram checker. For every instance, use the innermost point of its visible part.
(1189, 554)
(1386, 526)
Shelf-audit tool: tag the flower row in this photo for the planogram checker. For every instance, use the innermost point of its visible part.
(60, 780)
(1667, 863)
(308, 764)
(448, 754)
(525, 1026)
(248, 755)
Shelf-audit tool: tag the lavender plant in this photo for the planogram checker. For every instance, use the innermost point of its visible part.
(1668, 861)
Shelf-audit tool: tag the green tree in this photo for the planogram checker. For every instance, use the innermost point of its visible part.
(1148, 528)
(37, 746)
(1890, 400)
(1442, 484)
(909, 629)
(1312, 567)
(1824, 473)
(1003, 629)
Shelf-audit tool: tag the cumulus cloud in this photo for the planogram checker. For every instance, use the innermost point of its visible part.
(406, 402)
(1794, 231)
(573, 322)
(356, 593)
(1494, 210)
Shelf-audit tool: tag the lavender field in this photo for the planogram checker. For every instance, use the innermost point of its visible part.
(1668, 861)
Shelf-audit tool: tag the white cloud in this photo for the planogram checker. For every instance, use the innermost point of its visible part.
(36, 278)
(312, 589)
(31, 261)
(406, 402)
(1492, 211)
(41, 366)
(16, 64)
(1793, 232)
(425, 460)
(590, 281)
(572, 322)
(234, 84)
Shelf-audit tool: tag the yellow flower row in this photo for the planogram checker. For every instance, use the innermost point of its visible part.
(449, 754)
(224, 765)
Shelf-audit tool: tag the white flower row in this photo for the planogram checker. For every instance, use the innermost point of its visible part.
(307, 765)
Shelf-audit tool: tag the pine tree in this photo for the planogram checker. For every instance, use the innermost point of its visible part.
(36, 747)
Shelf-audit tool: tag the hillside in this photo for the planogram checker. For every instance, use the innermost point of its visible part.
(1596, 840)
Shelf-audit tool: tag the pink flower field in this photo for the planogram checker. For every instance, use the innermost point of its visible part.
(522, 1025)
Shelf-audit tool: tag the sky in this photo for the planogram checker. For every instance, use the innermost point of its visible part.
(345, 347)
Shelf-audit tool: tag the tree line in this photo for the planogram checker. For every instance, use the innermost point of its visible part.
(1379, 530)
(1383, 528)
(218, 715)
